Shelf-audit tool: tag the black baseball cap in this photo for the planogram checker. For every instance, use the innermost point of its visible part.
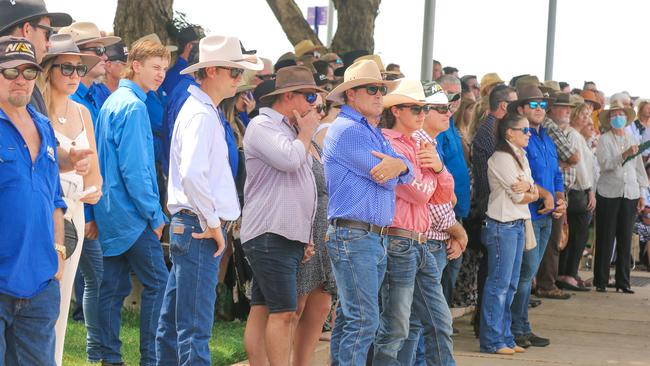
(117, 52)
(16, 51)
(14, 12)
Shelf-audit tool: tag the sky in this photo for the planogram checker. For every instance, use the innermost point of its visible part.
(596, 40)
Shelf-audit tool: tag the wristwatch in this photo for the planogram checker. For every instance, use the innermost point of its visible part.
(60, 248)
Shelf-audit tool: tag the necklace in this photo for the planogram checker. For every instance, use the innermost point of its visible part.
(64, 119)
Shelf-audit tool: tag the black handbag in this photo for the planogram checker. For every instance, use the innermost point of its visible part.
(578, 202)
(71, 238)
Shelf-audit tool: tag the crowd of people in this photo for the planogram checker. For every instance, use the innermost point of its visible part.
(334, 188)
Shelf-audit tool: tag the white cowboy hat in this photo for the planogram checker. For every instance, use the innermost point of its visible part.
(225, 52)
(408, 92)
(360, 73)
(154, 37)
(87, 32)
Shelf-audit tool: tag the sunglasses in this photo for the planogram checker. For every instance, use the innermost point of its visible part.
(525, 130)
(453, 97)
(417, 109)
(29, 73)
(234, 72)
(99, 51)
(534, 104)
(49, 31)
(69, 69)
(266, 77)
(309, 97)
(442, 109)
(322, 109)
(372, 90)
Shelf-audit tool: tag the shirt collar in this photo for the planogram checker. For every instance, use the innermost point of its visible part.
(275, 115)
(82, 90)
(352, 114)
(181, 62)
(39, 119)
(201, 96)
(126, 83)
(396, 135)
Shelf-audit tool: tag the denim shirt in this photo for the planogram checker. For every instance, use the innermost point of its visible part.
(29, 194)
(130, 200)
(450, 144)
(348, 160)
(545, 167)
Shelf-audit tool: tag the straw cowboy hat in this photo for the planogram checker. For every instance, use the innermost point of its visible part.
(604, 117)
(293, 78)
(551, 87)
(223, 51)
(306, 46)
(87, 32)
(408, 92)
(360, 73)
(379, 63)
(489, 80)
(154, 37)
(62, 44)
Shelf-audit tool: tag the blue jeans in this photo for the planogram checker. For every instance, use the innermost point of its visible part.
(359, 264)
(187, 314)
(429, 339)
(91, 267)
(145, 258)
(529, 264)
(27, 327)
(449, 276)
(505, 245)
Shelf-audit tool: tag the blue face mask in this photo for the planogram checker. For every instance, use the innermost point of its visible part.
(618, 122)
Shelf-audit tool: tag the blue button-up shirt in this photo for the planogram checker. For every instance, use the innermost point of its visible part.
(347, 158)
(544, 165)
(89, 98)
(102, 92)
(450, 144)
(156, 109)
(130, 198)
(175, 101)
(29, 194)
(173, 76)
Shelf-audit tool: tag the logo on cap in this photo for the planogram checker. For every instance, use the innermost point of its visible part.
(13, 2)
(17, 48)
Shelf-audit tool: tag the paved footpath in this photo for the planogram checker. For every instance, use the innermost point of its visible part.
(589, 329)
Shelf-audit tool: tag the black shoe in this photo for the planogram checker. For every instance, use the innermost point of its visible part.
(601, 289)
(522, 341)
(625, 290)
(536, 341)
(533, 303)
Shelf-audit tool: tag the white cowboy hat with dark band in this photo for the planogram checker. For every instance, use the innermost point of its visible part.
(408, 92)
(362, 72)
(223, 51)
(62, 44)
(86, 32)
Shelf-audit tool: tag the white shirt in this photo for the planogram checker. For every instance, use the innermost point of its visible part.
(585, 167)
(200, 179)
(640, 138)
(503, 172)
(618, 180)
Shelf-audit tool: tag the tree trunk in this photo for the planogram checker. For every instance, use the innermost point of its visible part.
(137, 18)
(292, 21)
(356, 25)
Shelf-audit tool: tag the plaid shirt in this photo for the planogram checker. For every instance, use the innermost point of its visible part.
(565, 149)
(482, 149)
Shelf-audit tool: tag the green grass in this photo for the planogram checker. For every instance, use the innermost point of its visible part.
(226, 345)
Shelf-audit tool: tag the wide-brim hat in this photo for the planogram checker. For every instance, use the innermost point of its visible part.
(16, 51)
(154, 37)
(551, 87)
(294, 78)
(527, 93)
(591, 97)
(526, 80)
(360, 73)
(245, 84)
(603, 116)
(223, 51)
(348, 59)
(14, 12)
(86, 32)
(62, 45)
(407, 92)
(489, 80)
(562, 99)
(306, 46)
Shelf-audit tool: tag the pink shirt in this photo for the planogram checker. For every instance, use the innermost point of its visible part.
(411, 211)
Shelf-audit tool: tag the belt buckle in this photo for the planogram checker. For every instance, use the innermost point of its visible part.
(420, 238)
(383, 231)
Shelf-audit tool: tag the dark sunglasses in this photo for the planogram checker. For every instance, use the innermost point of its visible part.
(234, 72)
(49, 31)
(309, 96)
(535, 104)
(29, 73)
(68, 69)
(266, 77)
(99, 51)
(372, 90)
(442, 109)
(453, 97)
(322, 108)
(525, 130)
(417, 109)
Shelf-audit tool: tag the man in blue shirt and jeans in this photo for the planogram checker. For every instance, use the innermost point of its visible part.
(362, 171)
(544, 165)
(31, 219)
(129, 216)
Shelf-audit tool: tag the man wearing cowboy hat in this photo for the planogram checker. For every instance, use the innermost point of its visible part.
(279, 208)
(32, 237)
(545, 168)
(129, 216)
(202, 198)
(362, 171)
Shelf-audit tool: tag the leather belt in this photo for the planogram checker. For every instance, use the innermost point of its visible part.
(191, 213)
(408, 234)
(381, 230)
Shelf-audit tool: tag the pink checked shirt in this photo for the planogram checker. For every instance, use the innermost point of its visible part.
(411, 212)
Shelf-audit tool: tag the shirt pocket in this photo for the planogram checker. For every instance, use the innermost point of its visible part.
(9, 174)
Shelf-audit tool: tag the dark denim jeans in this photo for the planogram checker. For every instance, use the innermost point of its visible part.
(359, 264)
(505, 246)
(529, 264)
(429, 341)
(187, 314)
(27, 327)
(449, 277)
(145, 258)
(91, 267)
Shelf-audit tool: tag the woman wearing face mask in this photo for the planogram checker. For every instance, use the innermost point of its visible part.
(619, 199)
(63, 68)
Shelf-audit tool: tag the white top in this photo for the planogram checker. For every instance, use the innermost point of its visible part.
(585, 167)
(503, 172)
(640, 138)
(618, 180)
(200, 179)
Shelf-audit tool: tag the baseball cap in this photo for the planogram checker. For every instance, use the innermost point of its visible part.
(16, 51)
(117, 52)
